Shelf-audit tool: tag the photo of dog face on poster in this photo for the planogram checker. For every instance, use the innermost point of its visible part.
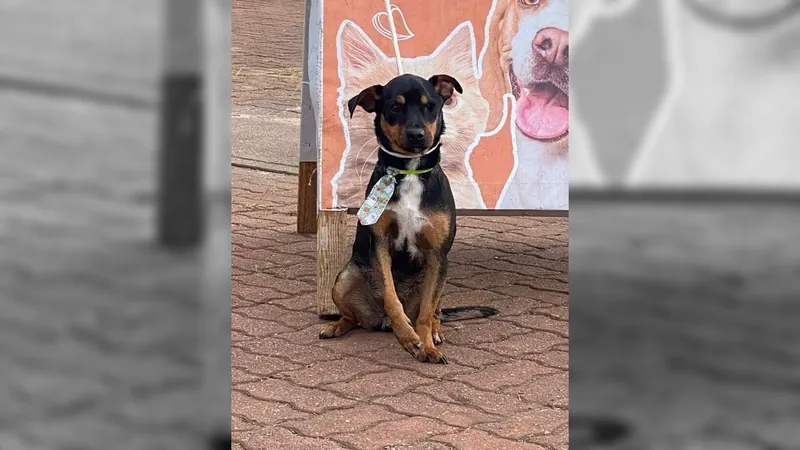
(363, 64)
(533, 41)
(708, 98)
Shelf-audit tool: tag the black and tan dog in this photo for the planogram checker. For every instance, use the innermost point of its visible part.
(397, 271)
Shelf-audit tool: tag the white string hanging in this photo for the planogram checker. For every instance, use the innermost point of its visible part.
(395, 41)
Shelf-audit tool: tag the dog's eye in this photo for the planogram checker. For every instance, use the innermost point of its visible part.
(529, 3)
(395, 108)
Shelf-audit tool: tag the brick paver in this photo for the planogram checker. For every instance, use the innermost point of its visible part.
(505, 388)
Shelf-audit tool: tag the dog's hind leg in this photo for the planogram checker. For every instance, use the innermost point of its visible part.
(349, 291)
(337, 328)
(436, 329)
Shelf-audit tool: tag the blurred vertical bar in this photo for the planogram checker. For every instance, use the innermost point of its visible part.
(309, 147)
(180, 162)
(215, 325)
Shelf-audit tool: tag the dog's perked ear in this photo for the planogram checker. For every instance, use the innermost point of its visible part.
(367, 99)
(444, 85)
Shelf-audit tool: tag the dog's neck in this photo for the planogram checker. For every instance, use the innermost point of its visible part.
(428, 161)
(536, 152)
(542, 161)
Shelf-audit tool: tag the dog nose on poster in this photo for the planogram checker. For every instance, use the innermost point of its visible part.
(553, 45)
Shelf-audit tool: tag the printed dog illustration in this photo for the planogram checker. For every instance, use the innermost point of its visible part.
(731, 116)
(534, 47)
(362, 64)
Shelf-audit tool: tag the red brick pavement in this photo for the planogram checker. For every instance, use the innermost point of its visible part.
(505, 388)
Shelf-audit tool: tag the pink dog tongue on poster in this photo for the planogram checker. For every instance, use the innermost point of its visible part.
(543, 112)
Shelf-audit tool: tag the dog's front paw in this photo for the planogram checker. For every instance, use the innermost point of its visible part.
(409, 340)
(431, 355)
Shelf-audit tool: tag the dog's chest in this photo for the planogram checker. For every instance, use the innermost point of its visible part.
(408, 213)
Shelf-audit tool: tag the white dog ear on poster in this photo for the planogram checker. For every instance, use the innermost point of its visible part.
(444, 85)
(358, 51)
(367, 99)
(456, 55)
(361, 63)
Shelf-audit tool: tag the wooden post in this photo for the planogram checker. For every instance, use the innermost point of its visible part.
(307, 185)
(332, 255)
(307, 197)
(180, 208)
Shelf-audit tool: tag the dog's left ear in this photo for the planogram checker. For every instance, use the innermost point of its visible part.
(444, 85)
(367, 99)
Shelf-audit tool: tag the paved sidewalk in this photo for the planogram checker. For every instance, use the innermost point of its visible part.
(98, 326)
(506, 386)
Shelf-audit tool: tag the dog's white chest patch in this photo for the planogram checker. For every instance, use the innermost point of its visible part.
(408, 214)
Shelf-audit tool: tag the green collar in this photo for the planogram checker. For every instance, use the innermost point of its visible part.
(393, 171)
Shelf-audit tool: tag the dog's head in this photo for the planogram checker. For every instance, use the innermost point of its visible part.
(362, 64)
(408, 110)
(535, 42)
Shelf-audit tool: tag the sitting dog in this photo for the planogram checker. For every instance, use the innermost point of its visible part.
(397, 271)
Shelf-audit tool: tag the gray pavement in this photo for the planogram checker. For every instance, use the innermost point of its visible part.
(98, 328)
(683, 320)
(267, 142)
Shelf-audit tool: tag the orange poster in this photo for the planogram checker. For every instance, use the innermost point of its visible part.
(506, 139)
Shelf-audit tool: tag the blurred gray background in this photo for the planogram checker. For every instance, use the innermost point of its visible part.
(109, 340)
(685, 94)
(684, 239)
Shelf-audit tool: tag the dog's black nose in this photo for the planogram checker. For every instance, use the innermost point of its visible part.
(552, 44)
(415, 134)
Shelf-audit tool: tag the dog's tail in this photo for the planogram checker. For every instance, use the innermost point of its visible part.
(467, 312)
